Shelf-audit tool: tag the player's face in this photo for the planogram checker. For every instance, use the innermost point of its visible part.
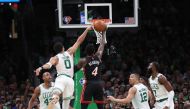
(150, 67)
(132, 79)
(47, 77)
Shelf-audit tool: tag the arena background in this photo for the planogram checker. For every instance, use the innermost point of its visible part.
(29, 28)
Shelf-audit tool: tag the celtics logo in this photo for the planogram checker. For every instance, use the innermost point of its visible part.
(82, 81)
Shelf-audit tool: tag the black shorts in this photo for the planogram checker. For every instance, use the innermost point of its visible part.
(92, 89)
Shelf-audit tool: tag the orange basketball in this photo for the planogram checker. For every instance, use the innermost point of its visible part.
(99, 25)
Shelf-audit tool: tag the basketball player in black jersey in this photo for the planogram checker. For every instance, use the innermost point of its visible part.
(93, 87)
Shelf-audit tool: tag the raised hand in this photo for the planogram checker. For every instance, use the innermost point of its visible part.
(37, 71)
(89, 27)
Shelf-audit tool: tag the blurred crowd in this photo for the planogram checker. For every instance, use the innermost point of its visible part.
(15, 95)
(162, 36)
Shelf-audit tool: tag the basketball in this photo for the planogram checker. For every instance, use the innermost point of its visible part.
(99, 25)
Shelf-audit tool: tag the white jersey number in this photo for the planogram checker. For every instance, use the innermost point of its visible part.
(67, 64)
(47, 100)
(154, 92)
(143, 96)
(95, 71)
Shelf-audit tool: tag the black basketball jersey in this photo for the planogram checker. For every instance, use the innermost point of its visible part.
(92, 68)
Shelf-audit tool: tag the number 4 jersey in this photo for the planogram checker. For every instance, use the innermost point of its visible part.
(46, 96)
(140, 100)
(93, 87)
(92, 69)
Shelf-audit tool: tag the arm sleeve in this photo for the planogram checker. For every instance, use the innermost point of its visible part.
(170, 98)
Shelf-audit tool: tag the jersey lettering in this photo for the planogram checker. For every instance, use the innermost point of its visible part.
(92, 68)
(143, 95)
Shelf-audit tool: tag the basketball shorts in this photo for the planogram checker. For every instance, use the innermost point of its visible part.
(92, 89)
(66, 85)
(161, 105)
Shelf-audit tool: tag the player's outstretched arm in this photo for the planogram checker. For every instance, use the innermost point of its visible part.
(33, 98)
(162, 80)
(101, 46)
(126, 100)
(80, 39)
(53, 61)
